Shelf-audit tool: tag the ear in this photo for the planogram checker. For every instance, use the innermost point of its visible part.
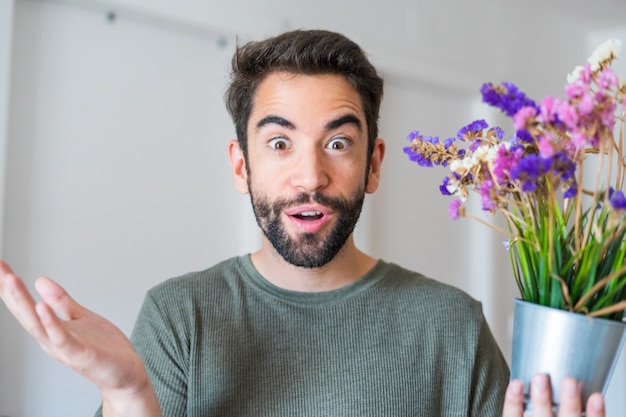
(375, 164)
(238, 166)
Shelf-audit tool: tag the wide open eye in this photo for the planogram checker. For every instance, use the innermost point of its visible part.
(280, 144)
(339, 143)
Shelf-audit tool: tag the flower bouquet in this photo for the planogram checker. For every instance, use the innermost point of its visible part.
(558, 182)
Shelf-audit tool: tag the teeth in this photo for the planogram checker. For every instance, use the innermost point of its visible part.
(311, 213)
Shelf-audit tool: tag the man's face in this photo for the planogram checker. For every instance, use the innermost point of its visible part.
(307, 163)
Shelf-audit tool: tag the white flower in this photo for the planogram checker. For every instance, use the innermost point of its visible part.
(574, 75)
(452, 187)
(455, 165)
(609, 50)
(479, 155)
(492, 153)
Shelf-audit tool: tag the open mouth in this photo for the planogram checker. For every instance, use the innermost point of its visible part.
(309, 215)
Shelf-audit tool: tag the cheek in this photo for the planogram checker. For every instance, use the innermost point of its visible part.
(354, 172)
(267, 181)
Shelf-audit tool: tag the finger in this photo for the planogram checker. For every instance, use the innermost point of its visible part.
(570, 405)
(11, 286)
(595, 405)
(56, 297)
(514, 399)
(18, 300)
(53, 325)
(541, 397)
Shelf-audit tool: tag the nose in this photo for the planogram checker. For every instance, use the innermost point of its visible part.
(309, 171)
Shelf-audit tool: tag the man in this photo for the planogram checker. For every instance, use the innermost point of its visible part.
(308, 325)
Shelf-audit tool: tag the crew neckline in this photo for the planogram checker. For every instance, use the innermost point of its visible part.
(362, 284)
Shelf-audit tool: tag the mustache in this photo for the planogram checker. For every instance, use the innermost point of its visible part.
(335, 203)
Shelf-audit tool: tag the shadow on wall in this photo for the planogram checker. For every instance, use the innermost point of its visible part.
(13, 349)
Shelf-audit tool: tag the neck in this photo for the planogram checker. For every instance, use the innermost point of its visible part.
(346, 267)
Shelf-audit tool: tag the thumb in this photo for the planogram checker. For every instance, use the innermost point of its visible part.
(58, 299)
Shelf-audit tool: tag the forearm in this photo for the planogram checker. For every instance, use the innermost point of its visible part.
(137, 403)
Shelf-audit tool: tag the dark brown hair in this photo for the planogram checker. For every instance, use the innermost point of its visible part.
(301, 52)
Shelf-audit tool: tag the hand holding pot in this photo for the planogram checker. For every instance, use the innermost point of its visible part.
(541, 399)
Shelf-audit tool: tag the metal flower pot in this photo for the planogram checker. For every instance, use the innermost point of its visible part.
(564, 344)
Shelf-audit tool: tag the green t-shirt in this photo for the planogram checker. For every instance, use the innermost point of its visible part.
(226, 342)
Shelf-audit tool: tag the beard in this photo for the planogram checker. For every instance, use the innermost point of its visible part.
(307, 250)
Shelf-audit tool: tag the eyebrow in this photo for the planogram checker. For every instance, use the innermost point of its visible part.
(333, 124)
(347, 119)
(276, 120)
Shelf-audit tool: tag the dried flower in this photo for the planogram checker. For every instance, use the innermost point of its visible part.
(566, 241)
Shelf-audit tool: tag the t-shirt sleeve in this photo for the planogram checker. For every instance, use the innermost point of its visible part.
(161, 338)
(490, 376)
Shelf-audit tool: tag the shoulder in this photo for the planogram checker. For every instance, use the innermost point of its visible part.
(179, 302)
(432, 311)
(413, 287)
(198, 288)
(446, 309)
(197, 280)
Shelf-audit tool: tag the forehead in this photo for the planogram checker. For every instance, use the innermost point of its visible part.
(296, 95)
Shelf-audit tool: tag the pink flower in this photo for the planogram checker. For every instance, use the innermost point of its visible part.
(608, 116)
(607, 79)
(454, 209)
(576, 89)
(547, 109)
(568, 115)
(579, 139)
(546, 148)
(504, 162)
(523, 115)
(586, 104)
(585, 74)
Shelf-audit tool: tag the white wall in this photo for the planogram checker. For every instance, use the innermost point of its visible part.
(117, 175)
(6, 36)
(7, 326)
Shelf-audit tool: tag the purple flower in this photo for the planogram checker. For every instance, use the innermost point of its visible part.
(524, 136)
(417, 157)
(449, 142)
(571, 191)
(454, 209)
(443, 188)
(528, 170)
(474, 145)
(472, 130)
(505, 97)
(562, 165)
(617, 200)
(498, 132)
(486, 192)
(413, 135)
